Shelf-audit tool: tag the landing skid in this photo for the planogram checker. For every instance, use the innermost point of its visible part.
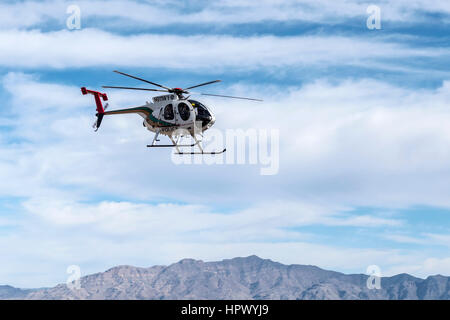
(171, 145)
(203, 152)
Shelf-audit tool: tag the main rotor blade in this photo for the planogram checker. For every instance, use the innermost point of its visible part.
(140, 79)
(218, 95)
(131, 88)
(203, 84)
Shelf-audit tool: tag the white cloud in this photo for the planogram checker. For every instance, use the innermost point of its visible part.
(425, 267)
(401, 238)
(442, 239)
(95, 48)
(424, 239)
(163, 13)
(161, 219)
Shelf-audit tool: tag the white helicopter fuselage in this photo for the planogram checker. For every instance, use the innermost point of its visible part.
(169, 113)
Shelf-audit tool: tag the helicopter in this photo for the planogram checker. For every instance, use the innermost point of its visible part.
(172, 114)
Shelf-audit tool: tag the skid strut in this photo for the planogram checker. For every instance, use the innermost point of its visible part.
(201, 149)
(177, 146)
(174, 145)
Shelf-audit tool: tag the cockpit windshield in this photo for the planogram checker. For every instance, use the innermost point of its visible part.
(203, 114)
(202, 111)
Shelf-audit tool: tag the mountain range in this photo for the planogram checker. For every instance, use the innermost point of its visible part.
(238, 278)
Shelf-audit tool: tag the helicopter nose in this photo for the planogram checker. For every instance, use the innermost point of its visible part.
(212, 121)
(206, 121)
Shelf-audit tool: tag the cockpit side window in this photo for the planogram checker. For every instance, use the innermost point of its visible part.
(184, 111)
(168, 112)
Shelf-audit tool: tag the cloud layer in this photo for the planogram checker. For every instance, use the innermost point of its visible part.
(364, 143)
(94, 48)
(138, 14)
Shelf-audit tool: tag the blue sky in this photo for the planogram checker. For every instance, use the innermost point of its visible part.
(363, 117)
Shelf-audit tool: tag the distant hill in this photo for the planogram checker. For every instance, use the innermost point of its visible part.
(238, 278)
(8, 292)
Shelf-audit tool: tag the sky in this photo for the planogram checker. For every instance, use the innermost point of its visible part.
(362, 117)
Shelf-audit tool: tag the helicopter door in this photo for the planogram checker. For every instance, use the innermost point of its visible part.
(168, 114)
(183, 113)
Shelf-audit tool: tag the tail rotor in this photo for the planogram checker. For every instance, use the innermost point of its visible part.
(99, 120)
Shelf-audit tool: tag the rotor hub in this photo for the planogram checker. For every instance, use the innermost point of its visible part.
(178, 91)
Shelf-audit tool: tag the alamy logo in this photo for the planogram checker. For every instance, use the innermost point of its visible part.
(73, 22)
(73, 281)
(374, 20)
(252, 146)
(374, 279)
